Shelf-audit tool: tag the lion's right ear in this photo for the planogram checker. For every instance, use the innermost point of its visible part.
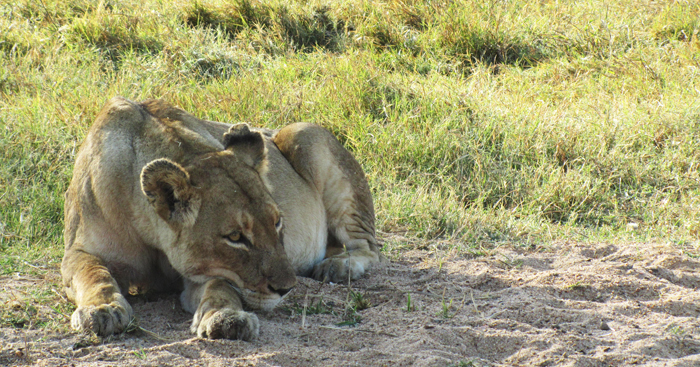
(248, 146)
(168, 189)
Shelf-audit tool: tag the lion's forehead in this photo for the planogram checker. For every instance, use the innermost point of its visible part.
(239, 195)
(225, 171)
(238, 208)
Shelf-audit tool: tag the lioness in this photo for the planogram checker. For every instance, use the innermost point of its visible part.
(163, 201)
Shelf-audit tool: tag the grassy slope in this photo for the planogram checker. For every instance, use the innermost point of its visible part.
(478, 123)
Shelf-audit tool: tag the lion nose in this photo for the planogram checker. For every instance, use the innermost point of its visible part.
(280, 291)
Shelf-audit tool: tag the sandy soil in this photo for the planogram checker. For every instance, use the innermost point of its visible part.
(572, 305)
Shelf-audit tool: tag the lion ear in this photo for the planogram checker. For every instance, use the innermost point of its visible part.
(168, 189)
(247, 145)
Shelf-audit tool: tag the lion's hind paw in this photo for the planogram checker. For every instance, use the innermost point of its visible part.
(338, 269)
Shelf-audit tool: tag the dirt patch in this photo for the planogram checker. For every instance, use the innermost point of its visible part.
(571, 305)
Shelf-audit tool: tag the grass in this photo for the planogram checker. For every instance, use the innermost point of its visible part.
(140, 354)
(445, 307)
(478, 123)
(313, 308)
(35, 304)
(355, 301)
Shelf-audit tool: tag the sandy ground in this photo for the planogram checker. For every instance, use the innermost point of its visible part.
(571, 305)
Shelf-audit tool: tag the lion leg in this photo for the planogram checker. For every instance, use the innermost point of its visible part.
(323, 162)
(101, 306)
(218, 311)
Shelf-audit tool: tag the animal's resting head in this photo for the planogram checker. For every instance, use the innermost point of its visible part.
(224, 220)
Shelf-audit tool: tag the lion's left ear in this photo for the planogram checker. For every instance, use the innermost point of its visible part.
(247, 145)
(168, 189)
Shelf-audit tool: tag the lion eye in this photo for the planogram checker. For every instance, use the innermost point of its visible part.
(235, 240)
(234, 237)
(278, 225)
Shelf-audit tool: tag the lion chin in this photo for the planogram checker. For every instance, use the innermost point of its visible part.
(260, 301)
(164, 201)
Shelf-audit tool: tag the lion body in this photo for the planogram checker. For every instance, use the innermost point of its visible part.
(163, 201)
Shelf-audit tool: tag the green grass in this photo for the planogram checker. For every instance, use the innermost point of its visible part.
(478, 123)
(313, 308)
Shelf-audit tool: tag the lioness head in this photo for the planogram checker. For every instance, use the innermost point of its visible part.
(224, 222)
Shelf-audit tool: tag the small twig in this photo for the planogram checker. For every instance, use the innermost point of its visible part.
(33, 266)
(493, 314)
(474, 303)
(347, 297)
(59, 294)
(26, 346)
(320, 287)
(464, 299)
(154, 335)
(303, 313)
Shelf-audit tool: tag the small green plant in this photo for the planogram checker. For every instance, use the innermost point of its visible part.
(445, 308)
(578, 286)
(320, 307)
(358, 301)
(441, 261)
(140, 354)
(350, 318)
(511, 262)
(675, 330)
(355, 301)
(312, 308)
(409, 305)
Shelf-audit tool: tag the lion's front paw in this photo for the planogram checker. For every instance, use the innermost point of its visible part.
(229, 324)
(105, 319)
(336, 269)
